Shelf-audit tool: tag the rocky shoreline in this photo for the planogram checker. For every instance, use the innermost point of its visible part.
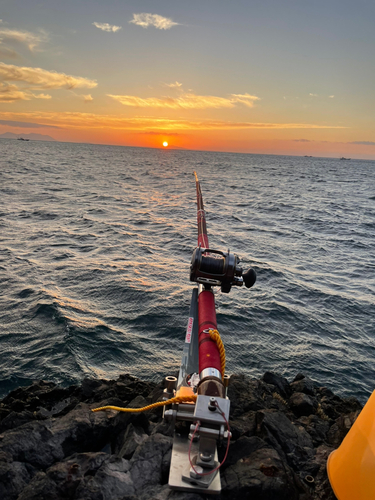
(53, 447)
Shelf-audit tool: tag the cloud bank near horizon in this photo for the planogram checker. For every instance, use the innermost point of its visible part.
(82, 121)
(12, 123)
(186, 101)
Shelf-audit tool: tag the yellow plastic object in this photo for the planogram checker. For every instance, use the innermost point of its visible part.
(184, 393)
(351, 468)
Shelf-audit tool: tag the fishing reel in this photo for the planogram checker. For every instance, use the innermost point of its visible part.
(215, 268)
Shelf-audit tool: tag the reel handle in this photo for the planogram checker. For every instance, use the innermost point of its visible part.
(249, 278)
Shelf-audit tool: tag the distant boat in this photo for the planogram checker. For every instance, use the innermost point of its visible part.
(345, 158)
(22, 139)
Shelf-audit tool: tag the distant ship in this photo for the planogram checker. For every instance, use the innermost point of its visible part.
(22, 139)
(345, 158)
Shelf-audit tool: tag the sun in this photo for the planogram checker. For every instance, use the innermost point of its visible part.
(165, 144)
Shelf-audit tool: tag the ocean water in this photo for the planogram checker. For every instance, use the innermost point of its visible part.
(95, 249)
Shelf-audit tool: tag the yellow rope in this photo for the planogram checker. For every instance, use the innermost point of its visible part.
(214, 334)
(178, 399)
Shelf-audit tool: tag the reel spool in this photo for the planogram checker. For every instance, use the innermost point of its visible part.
(215, 268)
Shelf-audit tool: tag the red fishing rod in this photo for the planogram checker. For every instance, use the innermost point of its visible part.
(210, 370)
(211, 268)
(194, 460)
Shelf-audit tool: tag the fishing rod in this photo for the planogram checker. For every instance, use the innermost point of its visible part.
(198, 397)
(202, 380)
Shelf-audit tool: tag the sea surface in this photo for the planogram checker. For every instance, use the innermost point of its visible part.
(95, 249)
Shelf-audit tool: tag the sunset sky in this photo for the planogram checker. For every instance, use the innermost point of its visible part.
(263, 76)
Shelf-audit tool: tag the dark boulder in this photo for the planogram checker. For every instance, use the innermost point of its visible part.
(133, 437)
(316, 427)
(243, 425)
(291, 441)
(86, 475)
(261, 475)
(14, 476)
(149, 464)
(340, 428)
(16, 419)
(279, 382)
(303, 384)
(247, 394)
(244, 447)
(302, 405)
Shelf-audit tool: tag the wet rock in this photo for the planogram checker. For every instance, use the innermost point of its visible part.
(291, 441)
(322, 487)
(14, 477)
(279, 382)
(244, 447)
(114, 479)
(247, 394)
(86, 475)
(134, 436)
(244, 425)
(163, 427)
(40, 488)
(16, 419)
(43, 443)
(260, 475)
(333, 406)
(40, 393)
(147, 461)
(340, 428)
(165, 493)
(302, 405)
(303, 384)
(316, 427)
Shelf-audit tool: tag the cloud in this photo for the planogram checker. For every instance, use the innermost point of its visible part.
(11, 93)
(246, 99)
(86, 121)
(331, 96)
(170, 134)
(83, 97)
(313, 95)
(302, 140)
(8, 53)
(42, 96)
(31, 40)
(363, 143)
(185, 101)
(12, 123)
(110, 28)
(43, 79)
(145, 20)
(175, 85)
(87, 97)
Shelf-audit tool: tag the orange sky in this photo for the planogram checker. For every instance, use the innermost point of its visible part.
(247, 78)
